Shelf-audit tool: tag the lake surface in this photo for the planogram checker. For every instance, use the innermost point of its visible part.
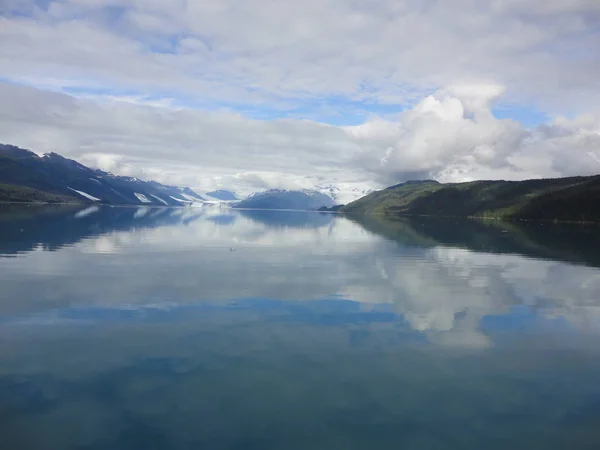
(125, 328)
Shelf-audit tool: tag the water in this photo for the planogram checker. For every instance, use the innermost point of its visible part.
(126, 328)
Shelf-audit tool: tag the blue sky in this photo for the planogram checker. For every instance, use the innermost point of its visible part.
(334, 110)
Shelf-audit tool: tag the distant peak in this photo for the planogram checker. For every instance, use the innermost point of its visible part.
(268, 191)
(222, 194)
(409, 182)
(53, 155)
(14, 151)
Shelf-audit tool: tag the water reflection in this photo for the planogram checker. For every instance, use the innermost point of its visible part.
(290, 219)
(323, 374)
(442, 277)
(211, 328)
(53, 227)
(25, 228)
(569, 242)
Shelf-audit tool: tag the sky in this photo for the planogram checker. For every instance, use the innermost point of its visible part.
(278, 94)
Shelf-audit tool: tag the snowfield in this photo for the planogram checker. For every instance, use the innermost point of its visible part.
(84, 194)
(180, 200)
(159, 199)
(189, 197)
(142, 198)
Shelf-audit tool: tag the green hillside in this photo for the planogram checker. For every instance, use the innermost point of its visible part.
(21, 194)
(563, 199)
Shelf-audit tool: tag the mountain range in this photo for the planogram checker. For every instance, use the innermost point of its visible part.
(51, 178)
(26, 176)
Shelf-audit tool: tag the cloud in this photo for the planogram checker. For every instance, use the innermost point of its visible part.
(451, 136)
(284, 54)
(218, 94)
(454, 136)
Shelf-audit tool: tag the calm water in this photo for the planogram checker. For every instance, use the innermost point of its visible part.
(126, 328)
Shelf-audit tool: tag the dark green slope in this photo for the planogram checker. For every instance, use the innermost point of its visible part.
(21, 194)
(562, 199)
(393, 199)
(14, 171)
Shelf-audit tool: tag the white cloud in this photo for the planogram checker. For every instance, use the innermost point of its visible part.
(267, 50)
(169, 89)
(450, 136)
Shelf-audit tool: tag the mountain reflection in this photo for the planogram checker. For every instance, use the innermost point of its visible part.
(447, 279)
(562, 241)
(292, 219)
(53, 227)
(27, 228)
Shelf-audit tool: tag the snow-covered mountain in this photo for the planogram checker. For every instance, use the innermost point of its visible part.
(53, 174)
(64, 179)
(221, 194)
(286, 199)
(322, 195)
(344, 193)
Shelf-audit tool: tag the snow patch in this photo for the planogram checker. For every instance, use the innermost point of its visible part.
(314, 193)
(97, 181)
(268, 191)
(344, 193)
(142, 198)
(180, 200)
(159, 199)
(189, 197)
(83, 194)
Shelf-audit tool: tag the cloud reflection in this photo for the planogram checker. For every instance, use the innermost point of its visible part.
(439, 286)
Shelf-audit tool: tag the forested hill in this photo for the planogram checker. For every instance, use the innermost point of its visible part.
(563, 199)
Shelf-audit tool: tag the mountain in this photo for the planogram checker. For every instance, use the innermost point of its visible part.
(560, 199)
(190, 195)
(25, 176)
(343, 193)
(283, 199)
(221, 194)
